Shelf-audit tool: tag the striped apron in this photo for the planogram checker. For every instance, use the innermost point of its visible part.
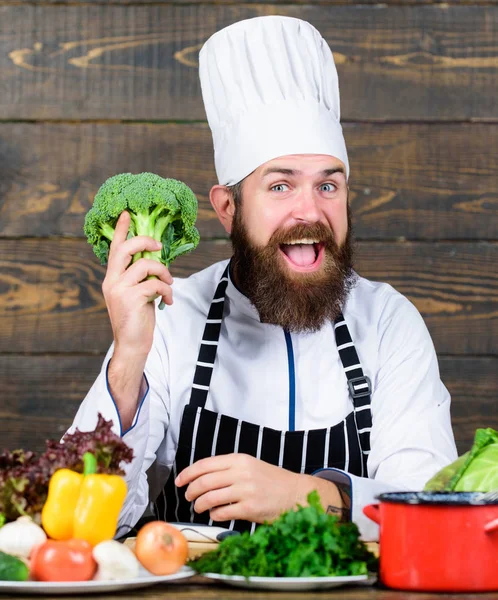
(205, 433)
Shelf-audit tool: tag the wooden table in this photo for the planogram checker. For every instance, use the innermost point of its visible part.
(208, 592)
(195, 590)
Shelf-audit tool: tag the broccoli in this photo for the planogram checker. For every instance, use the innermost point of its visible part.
(164, 209)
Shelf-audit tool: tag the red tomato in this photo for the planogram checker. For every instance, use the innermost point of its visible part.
(161, 548)
(69, 560)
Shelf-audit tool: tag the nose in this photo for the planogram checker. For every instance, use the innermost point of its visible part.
(306, 207)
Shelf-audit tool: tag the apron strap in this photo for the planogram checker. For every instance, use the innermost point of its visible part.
(209, 345)
(360, 387)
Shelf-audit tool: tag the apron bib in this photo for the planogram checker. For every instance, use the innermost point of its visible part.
(205, 433)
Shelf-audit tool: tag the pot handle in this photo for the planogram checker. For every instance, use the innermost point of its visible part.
(373, 513)
(491, 527)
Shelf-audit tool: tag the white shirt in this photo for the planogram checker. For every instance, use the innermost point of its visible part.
(411, 437)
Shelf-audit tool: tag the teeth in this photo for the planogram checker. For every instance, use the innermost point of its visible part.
(303, 241)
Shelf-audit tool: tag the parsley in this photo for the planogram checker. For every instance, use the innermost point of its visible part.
(305, 542)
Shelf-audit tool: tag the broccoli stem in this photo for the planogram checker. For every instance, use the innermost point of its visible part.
(144, 225)
(156, 255)
(152, 225)
(161, 225)
(156, 212)
(107, 231)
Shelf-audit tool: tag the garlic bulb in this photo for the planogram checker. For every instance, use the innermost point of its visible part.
(20, 537)
(115, 561)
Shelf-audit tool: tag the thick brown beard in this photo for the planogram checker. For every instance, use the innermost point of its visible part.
(298, 302)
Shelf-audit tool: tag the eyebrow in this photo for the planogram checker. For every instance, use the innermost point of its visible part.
(292, 172)
(271, 170)
(328, 172)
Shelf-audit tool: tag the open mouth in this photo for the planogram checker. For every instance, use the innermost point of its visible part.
(303, 255)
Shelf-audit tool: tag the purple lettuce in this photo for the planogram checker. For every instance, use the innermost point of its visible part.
(24, 476)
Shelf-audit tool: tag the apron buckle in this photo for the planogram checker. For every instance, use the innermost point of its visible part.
(360, 387)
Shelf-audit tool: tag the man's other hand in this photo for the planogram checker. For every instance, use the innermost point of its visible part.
(239, 486)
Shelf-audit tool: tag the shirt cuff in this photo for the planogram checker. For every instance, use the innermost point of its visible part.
(137, 413)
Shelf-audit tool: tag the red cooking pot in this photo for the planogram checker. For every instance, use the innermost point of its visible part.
(437, 541)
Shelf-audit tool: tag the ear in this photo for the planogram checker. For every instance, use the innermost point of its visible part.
(222, 202)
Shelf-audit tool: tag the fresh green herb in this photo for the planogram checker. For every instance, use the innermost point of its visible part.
(305, 542)
(474, 471)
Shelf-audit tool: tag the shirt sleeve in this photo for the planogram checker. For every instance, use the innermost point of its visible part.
(411, 437)
(147, 432)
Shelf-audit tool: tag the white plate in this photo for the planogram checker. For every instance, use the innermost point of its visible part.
(53, 588)
(291, 584)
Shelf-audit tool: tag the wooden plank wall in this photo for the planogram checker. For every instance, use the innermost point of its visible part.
(89, 89)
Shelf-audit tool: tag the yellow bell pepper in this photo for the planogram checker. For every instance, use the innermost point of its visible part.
(83, 506)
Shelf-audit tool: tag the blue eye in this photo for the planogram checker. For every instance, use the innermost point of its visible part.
(328, 187)
(280, 187)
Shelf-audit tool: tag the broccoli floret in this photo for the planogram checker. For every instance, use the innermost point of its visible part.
(164, 209)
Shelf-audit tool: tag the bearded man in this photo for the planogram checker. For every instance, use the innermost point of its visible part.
(280, 371)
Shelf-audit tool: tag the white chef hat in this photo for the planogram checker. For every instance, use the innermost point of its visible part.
(270, 89)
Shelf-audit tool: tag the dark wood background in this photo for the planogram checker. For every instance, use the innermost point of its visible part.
(89, 89)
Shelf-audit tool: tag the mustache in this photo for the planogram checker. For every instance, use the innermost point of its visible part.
(313, 231)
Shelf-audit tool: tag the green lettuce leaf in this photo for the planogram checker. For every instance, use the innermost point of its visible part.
(482, 474)
(440, 482)
(474, 471)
